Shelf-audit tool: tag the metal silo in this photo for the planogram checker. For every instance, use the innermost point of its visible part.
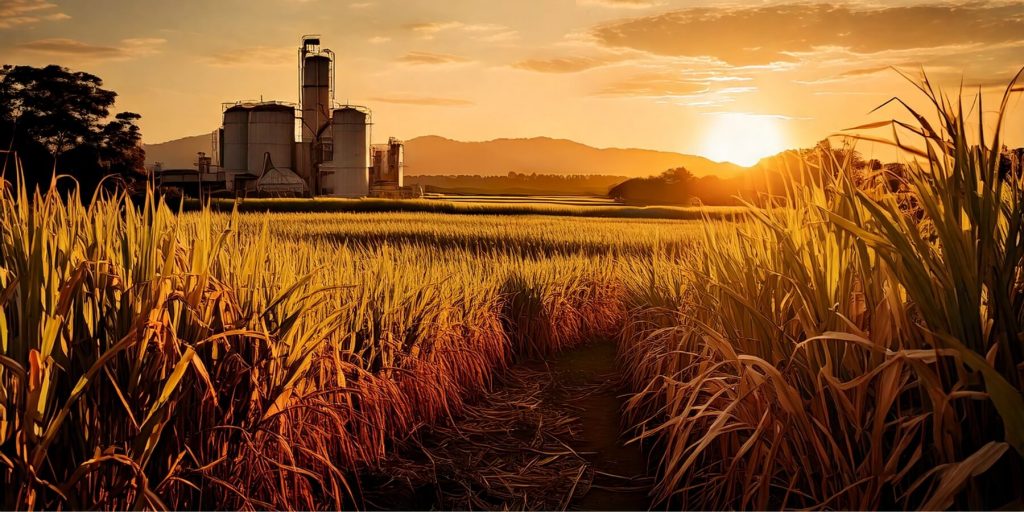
(271, 130)
(316, 95)
(236, 138)
(346, 174)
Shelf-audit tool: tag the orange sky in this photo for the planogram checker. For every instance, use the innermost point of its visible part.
(729, 82)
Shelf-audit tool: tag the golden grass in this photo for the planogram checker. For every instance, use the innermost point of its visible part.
(849, 350)
(858, 348)
(464, 206)
(258, 361)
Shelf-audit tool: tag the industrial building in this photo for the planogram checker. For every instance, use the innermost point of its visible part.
(314, 148)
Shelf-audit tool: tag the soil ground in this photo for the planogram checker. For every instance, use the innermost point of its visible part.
(547, 437)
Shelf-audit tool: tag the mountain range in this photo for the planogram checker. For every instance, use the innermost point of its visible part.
(435, 155)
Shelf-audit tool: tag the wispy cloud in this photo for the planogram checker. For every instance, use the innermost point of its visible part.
(503, 36)
(620, 4)
(692, 89)
(780, 117)
(429, 58)
(565, 64)
(736, 35)
(428, 30)
(64, 47)
(426, 101)
(252, 57)
(142, 46)
(488, 32)
(15, 13)
(654, 85)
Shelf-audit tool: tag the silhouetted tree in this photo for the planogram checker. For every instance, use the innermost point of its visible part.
(670, 187)
(58, 120)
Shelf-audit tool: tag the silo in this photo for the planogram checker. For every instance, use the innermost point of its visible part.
(271, 130)
(316, 94)
(236, 138)
(346, 174)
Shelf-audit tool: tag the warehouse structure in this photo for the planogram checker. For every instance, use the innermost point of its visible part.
(256, 152)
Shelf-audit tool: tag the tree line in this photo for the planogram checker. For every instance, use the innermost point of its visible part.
(680, 187)
(515, 183)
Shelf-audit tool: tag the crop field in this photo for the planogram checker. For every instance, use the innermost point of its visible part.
(466, 205)
(535, 199)
(858, 348)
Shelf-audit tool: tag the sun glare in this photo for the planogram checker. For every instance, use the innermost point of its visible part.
(742, 138)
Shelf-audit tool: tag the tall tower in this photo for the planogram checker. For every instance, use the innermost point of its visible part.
(316, 83)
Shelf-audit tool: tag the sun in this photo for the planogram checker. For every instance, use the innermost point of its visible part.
(742, 139)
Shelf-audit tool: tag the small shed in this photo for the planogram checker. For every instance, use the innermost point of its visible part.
(279, 181)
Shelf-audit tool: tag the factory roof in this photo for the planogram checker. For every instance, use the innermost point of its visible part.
(264, 106)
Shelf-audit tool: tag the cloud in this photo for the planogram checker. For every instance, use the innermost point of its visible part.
(500, 37)
(864, 71)
(378, 40)
(780, 117)
(483, 27)
(968, 66)
(64, 47)
(142, 46)
(998, 83)
(654, 85)
(488, 32)
(252, 57)
(564, 64)
(429, 58)
(690, 88)
(737, 35)
(361, 5)
(619, 4)
(15, 13)
(427, 101)
(428, 30)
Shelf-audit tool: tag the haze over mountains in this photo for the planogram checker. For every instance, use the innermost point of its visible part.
(434, 155)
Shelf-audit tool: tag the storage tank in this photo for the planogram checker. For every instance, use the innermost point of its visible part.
(236, 138)
(316, 94)
(271, 130)
(346, 174)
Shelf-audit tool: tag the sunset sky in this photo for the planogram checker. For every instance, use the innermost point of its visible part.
(731, 82)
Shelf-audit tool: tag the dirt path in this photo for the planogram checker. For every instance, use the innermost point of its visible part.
(548, 437)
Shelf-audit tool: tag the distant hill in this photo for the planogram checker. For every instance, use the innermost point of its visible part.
(437, 155)
(434, 155)
(179, 153)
